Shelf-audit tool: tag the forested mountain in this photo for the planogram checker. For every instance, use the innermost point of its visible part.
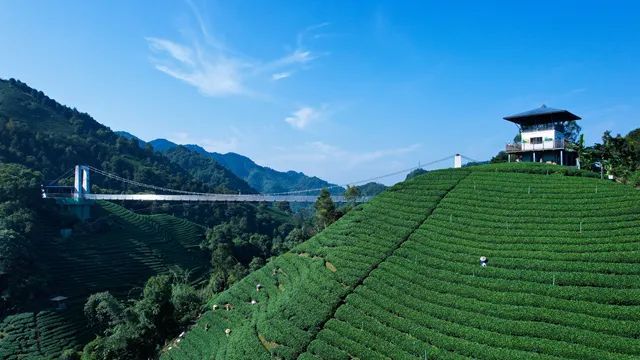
(200, 166)
(51, 138)
(41, 140)
(261, 178)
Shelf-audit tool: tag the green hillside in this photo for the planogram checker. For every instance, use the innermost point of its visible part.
(118, 253)
(400, 276)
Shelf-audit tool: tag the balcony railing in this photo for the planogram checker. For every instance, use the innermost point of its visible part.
(546, 145)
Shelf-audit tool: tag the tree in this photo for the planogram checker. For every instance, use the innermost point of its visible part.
(103, 310)
(186, 303)
(571, 130)
(325, 209)
(617, 155)
(633, 138)
(351, 194)
(500, 157)
(256, 263)
(284, 206)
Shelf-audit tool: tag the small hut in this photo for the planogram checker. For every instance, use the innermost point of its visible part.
(60, 302)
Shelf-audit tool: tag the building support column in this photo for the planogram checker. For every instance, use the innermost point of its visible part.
(562, 157)
(508, 157)
(534, 156)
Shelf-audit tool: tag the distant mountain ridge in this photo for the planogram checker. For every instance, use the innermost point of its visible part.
(261, 178)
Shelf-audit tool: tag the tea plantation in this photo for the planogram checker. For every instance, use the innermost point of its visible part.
(118, 258)
(400, 277)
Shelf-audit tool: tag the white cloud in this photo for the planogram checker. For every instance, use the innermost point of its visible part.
(357, 158)
(281, 75)
(211, 67)
(221, 146)
(212, 74)
(302, 117)
(317, 153)
(180, 53)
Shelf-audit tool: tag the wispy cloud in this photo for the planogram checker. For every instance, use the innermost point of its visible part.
(356, 158)
(318, 152)
(281, 75)
(212, 74)
(225, 145)
(303, 116)
(211, 67)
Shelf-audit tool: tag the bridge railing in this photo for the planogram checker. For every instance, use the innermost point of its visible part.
(204, 197)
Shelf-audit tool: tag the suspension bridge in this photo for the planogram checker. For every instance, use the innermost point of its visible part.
(79, 196)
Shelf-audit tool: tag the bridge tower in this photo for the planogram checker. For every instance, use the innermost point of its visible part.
(82, 181)
(78, 205)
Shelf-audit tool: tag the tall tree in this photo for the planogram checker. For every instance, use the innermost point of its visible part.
(571, 130)
(618, 157)
(351, 194)
(325, 209)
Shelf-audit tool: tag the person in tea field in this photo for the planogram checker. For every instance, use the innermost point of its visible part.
(484, 261)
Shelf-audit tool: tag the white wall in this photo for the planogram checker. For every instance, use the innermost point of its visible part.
(544, 134)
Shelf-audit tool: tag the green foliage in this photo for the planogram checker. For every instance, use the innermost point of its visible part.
(415, 173)
(571, 131)
(371, 189)
(501, 157)
(103, 310)
(42, 335)
(325, 210)
(207, 170)
(399, 277)
(20, 211)
(70, 354)
(617, 155)
(351, 194)
(119, 250)
(166, 305)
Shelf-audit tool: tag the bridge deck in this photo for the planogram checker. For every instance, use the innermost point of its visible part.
(205, 197)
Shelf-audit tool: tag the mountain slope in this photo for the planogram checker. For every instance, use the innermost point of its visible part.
(261, 178)
(207, 170)
(400, 278)
(117, 250)
(40, 133)
(116, 253)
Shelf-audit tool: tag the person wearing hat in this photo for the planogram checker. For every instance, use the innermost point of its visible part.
(484, 261)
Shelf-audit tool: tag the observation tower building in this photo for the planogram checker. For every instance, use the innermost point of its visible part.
(542, 137)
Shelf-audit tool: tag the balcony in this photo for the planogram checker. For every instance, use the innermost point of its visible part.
(546, 145)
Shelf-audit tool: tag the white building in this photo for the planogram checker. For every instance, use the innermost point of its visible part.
(542, 136)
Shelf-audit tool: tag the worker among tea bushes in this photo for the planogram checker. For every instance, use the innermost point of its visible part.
(484, 261)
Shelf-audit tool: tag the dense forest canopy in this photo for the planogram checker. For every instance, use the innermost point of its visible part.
(40, 140)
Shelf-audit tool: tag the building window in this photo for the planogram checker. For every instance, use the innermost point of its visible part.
(536, 140)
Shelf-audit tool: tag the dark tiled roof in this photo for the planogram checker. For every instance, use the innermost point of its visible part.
(542, 115)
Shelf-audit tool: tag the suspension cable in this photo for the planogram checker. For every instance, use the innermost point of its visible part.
(366, 180)
(60, 177)
(148, 186)
(160, 188)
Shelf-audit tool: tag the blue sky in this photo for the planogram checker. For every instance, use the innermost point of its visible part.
(341, 90)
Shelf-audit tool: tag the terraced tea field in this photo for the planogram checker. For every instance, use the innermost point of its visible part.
(119, 259)
(400, 277)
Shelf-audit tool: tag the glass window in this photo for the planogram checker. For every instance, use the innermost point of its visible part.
(536, 140)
